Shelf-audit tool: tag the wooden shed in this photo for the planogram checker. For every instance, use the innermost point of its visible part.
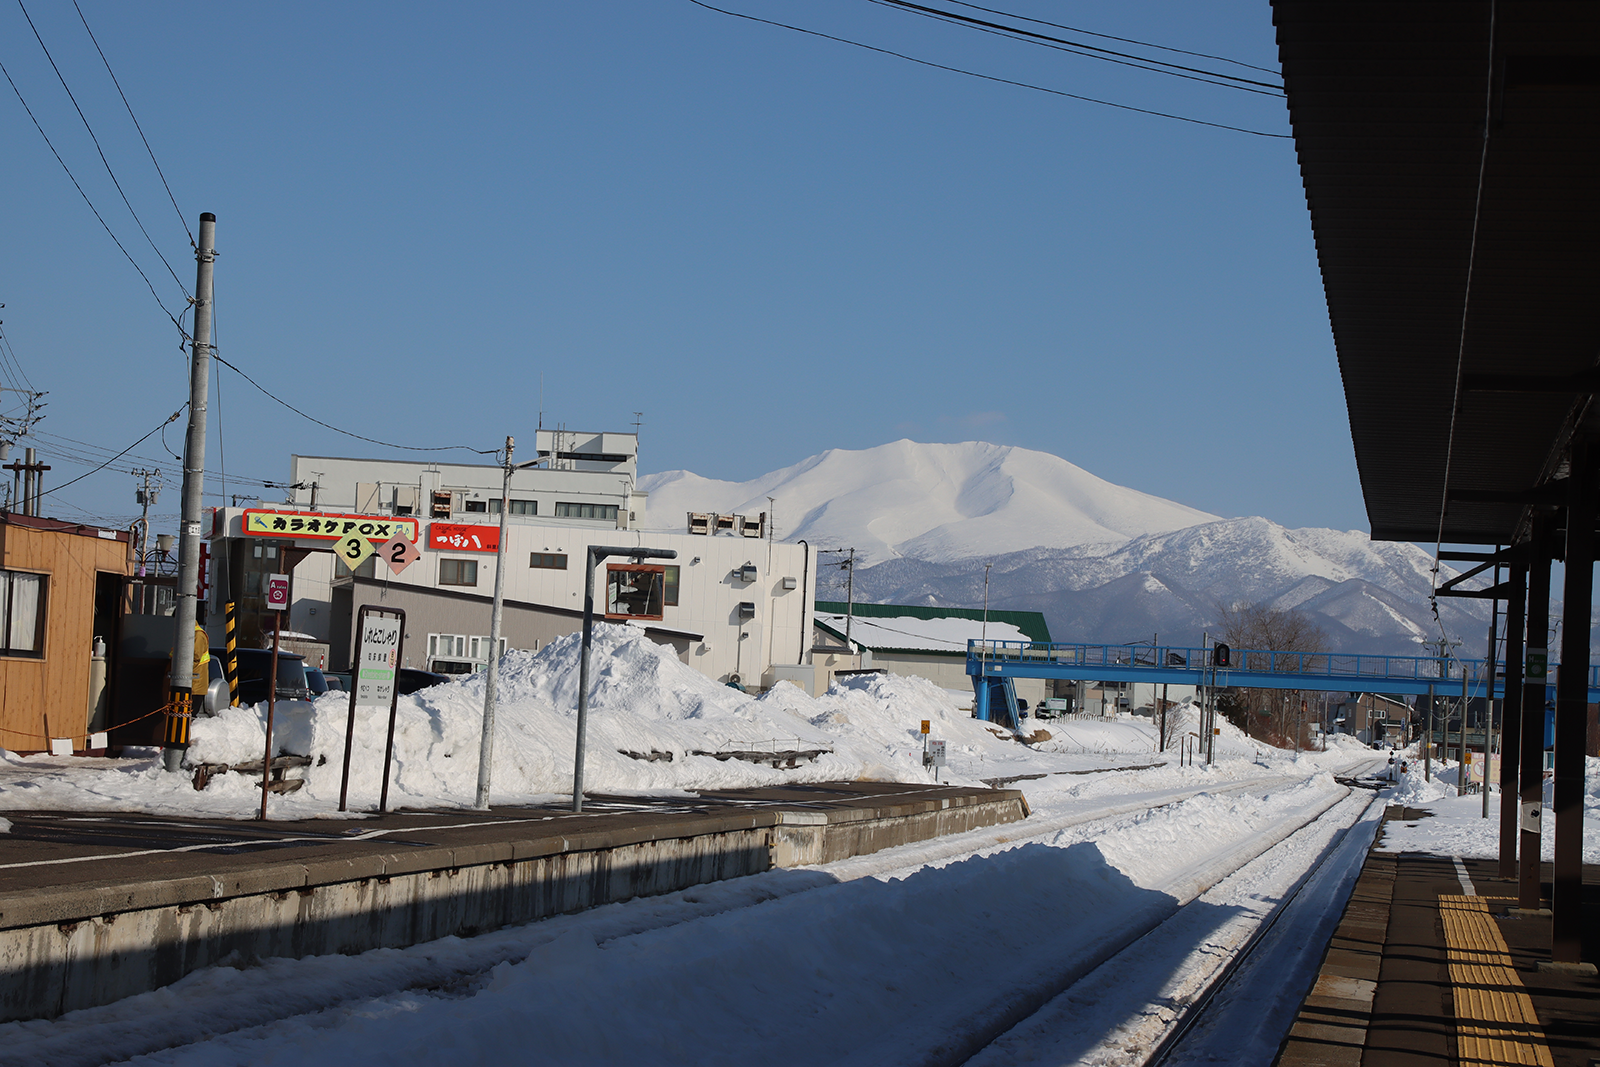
(61, 586)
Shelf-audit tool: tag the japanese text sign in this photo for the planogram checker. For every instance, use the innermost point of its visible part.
(315, 526)
(458, 537)
(379, 657)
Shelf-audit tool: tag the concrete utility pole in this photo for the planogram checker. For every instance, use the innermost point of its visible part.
(181, 708)
(492, 676)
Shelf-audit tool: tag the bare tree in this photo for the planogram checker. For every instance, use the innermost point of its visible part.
(1169, 723)
(1257, 630)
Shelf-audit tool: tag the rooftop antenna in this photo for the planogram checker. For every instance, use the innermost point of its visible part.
(541, 403)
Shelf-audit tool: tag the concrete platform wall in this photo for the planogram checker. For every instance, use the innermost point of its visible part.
(61, 950)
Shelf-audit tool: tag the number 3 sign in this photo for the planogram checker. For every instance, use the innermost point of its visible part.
(398, 553)
(353, 550)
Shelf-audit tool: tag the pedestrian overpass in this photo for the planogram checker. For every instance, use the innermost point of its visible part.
(993, 664)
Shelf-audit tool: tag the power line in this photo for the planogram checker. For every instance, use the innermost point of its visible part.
(181, 220)
(991, 77)
(86, 199)
(172, 418)
(1088, 51)
(329, 426)
(112, 174)
(1112, 37)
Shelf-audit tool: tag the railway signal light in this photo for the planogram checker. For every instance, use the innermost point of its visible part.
(1221, 655)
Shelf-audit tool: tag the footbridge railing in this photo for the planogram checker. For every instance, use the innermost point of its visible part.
(1252, 668)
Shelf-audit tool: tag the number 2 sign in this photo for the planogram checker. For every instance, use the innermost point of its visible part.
(398, 553)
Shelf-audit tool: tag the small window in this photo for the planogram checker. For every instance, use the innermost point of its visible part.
(586, 511)
(633, 591)
(447, 646)
(481, 505)
(22, 613)
(549, 561)
(524, 507)
(670, 578)
(458, 572)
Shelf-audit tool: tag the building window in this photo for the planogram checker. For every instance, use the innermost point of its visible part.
(447, 646)
(481, 505)
(549, 561)
(524, 507)
(671, 580)
(587, 511)
(458, 572)
(22, 613)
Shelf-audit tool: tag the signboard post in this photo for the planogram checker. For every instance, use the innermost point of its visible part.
(380, 635)
(277, 592)
(936, 757)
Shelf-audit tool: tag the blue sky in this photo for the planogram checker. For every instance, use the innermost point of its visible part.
(771, 244)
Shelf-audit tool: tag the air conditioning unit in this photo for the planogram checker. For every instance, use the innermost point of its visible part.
(791, 583)
(747, 610)
(699, 522)
(747, 573)
(727, 523)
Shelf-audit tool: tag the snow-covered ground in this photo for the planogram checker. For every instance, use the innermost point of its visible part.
(642, 700)
(1122, 895)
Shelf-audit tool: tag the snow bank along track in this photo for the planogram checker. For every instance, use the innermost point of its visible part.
(923, 954)
(1117, 1010)
(143, 918)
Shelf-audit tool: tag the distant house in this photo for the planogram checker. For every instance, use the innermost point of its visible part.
(926, 642)
(1369, 717)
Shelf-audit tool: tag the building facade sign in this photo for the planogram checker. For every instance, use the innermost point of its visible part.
(462, 537)
(259, 522)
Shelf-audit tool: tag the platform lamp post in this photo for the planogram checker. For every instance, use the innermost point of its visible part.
(596, 554)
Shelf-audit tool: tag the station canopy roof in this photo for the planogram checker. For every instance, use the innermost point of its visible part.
(1388, 102)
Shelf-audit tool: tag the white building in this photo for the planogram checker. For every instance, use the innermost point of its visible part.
(733, 604)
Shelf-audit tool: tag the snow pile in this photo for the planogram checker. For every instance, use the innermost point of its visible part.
(643, 700)
(1455, 826)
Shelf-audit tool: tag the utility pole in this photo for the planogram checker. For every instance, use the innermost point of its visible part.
(180, 710)
(146, 500)
(492, 675)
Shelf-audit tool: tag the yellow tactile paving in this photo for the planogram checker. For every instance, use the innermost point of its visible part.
(1495, 1023)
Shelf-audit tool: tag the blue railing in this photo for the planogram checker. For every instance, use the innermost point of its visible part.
(1248, 667)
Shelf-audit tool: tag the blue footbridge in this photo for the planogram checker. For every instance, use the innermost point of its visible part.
(992, 666)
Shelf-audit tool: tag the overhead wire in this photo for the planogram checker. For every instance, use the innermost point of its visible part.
(75, 184)
(1088, 51)
(169, 419)
(181, 220)
(329, 426)
(109, 172)
(992, 77)
(1461, 339)
(1113, 37)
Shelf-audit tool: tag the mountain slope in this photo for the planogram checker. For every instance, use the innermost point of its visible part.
(935, 502)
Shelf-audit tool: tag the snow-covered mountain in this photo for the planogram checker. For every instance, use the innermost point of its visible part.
(932, 502)
(1101, 561)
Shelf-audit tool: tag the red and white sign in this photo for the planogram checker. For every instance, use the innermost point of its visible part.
(459, 537)
(277, 592)
(399, 553)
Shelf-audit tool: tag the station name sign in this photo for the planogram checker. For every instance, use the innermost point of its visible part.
(259, 522)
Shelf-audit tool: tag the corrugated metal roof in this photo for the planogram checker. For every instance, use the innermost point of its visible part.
(1387, 102)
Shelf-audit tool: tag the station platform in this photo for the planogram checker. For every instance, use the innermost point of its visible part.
(1427, 969)
(98, 906)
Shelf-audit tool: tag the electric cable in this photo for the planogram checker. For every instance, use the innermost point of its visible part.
(992, 77)
(1088, 51)
(329, 426)
(109, 172)
(1112, 37)
(1466, 304)
(171, 418)
(181, 220)
(100, 218)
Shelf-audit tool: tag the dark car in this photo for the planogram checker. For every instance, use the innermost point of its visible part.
(409, 679)
(317, 680)
(255, 665)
